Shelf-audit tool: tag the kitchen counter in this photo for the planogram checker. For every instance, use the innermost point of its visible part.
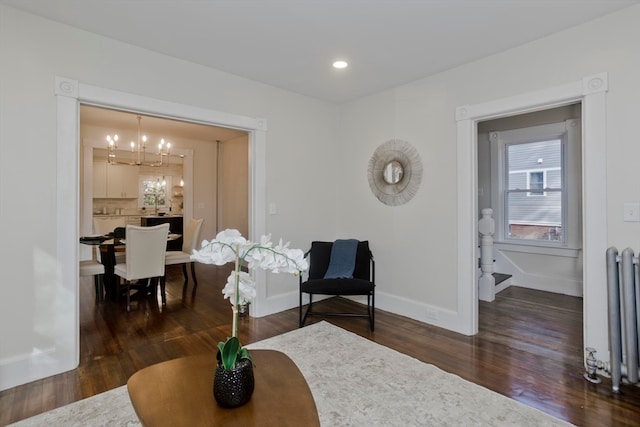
(109, 215)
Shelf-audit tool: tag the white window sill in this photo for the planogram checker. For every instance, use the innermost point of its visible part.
(538, 249)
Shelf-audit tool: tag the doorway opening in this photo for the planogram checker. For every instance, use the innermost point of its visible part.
(197, 177)
(70, 94)
(590, 92)
(530, 176)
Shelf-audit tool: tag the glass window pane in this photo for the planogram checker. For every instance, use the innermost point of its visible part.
(154, 192)
(535, 218)
(532, 157)
(536, 182)
(534, 191)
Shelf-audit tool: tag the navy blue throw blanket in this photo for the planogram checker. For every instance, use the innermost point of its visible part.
(343, 259)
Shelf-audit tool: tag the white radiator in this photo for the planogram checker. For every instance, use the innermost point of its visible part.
(623, 284)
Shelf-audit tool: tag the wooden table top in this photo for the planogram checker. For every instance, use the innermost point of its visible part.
(179, 392)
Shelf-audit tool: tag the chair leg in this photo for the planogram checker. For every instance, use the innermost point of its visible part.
(300, 311)
(163, 282)
(193, 274)
(97, 286)
(128, 296)
(303, 319)
(184, 273)
(98, 280)
(372, 311)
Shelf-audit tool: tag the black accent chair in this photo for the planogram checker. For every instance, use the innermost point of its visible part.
(362, 283)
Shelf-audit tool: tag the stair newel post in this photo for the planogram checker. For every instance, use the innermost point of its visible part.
(487, 283)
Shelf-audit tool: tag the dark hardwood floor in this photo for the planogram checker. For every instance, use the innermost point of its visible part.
(529, 348)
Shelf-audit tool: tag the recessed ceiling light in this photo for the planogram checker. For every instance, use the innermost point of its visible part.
(340, 64)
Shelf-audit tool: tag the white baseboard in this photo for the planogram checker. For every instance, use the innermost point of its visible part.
(566, 287)
(282, 302)
(433, 315)
(36, 365)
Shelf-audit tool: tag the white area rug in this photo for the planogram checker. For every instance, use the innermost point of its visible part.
(355, 382)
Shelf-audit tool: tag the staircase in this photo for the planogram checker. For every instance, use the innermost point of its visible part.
(489, 283)
(503, 281)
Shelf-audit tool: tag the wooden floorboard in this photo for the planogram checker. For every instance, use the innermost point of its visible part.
(529, 347)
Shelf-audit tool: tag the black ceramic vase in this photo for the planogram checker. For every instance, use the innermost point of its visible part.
(233, 388)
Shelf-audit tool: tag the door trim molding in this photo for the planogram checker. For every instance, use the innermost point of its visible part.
(591, 92)
(69, 95)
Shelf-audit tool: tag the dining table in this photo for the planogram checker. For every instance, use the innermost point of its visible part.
(108, 246)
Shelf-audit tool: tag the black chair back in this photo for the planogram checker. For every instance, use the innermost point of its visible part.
(120, 232)
(320, 254)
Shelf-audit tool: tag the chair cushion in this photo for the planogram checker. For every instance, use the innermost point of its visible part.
(120, 270)
(337, 287)
(91, 268)
(176, 257)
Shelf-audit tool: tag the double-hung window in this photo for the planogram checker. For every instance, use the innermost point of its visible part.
(536, 182)
(534, 195)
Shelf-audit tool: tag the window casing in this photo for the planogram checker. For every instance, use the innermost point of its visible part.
(154, 191)
(536, 185)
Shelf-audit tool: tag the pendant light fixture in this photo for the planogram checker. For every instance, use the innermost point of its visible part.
(138, 150)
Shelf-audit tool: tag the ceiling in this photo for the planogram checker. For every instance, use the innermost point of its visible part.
(291, 43)
(126, 125)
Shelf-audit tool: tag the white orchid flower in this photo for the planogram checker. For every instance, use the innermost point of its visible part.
(230, 246)
(231, 237)
(246, 287)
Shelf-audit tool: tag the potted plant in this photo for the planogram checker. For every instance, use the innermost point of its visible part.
(234, 373)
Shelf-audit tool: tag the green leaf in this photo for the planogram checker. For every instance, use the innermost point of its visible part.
(244, 354)
(229, 352)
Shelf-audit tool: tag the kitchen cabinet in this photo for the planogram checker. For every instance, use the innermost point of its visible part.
(133, 220)
(99, 180)
(114, 181)
(122, 182)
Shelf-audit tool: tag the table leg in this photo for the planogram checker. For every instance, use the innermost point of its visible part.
(108, 259)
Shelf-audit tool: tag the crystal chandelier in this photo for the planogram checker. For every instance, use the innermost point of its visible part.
(138, 151)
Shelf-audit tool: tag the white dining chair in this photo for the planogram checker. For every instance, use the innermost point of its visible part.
(91, 267)
(144, 257)
(189, 243)
(104, 226)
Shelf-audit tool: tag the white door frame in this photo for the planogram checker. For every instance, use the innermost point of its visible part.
(69, 95)
(591, 93)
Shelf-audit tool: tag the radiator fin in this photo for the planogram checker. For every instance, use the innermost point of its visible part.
(623, 285)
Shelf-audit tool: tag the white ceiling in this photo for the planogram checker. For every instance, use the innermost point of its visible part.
(126, 125)
(292, 43)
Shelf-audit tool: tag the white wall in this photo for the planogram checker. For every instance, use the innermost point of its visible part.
(233, 186)
(415, 245)
(36, 310)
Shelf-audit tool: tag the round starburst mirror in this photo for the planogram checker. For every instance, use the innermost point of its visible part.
(395, 172)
